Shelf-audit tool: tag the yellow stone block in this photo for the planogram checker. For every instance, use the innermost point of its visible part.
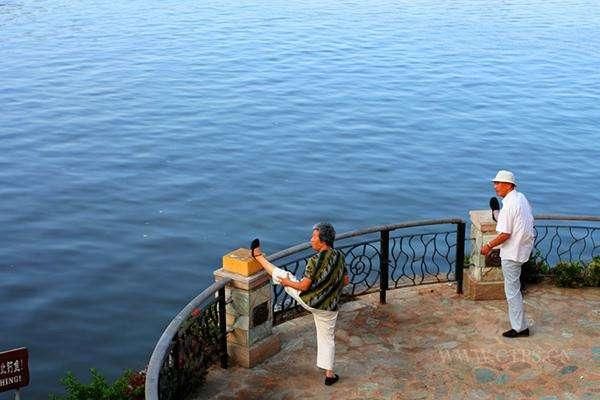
(241, 262)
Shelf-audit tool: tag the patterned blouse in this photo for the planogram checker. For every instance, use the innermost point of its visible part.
(326, 270)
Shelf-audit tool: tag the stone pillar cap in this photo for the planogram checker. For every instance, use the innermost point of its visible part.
(482, 220)
(240, 262)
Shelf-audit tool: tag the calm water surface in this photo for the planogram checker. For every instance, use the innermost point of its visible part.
(139, 142)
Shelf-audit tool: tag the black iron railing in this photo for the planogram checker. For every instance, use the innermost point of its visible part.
(384, 257)
(576, 238)
(194, 340)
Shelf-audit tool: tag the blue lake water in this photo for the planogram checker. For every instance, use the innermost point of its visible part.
(139, 142)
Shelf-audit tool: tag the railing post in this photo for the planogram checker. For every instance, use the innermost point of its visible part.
(384, 265)
(222, 328)
(460, 255)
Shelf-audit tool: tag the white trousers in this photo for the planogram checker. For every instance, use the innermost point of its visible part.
(512, 288)
(324, 322)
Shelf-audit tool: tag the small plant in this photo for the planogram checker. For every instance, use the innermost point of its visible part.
(136, 383)
(467, 262)
(592, 273)
(568, 274)
(129, 386)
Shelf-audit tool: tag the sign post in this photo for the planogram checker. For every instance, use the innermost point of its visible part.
(14, 370)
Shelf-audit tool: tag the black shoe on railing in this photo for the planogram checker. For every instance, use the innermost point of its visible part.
(253, 246)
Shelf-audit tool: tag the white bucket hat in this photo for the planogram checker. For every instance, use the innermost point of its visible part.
(505, 176)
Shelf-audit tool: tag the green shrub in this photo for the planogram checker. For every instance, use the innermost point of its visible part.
(592, 273)
(467, 261)
(533, 270)
(568, 274)
(129, 386)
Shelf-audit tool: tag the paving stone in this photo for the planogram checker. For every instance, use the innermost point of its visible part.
(596, 353)
(484, 375)
(356, 341)
(568, 369)
(448, 345)
(502, 379)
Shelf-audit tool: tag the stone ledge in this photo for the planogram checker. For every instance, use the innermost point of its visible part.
(243, 282)
(257, 353)
(476, 290)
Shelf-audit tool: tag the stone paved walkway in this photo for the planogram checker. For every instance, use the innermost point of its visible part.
(429, 343)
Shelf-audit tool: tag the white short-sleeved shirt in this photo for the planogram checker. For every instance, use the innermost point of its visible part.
(516, 218)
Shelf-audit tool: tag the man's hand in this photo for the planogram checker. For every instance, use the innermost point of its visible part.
(497, 241)
(485, 249)
(346, 280)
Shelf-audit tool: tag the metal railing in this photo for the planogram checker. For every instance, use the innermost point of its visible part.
(194, 340)
(578, 240)
(383, 257)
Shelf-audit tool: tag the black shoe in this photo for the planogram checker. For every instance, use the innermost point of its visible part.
(495, 206)
(253, 246)
(512, 333)
(330, 381)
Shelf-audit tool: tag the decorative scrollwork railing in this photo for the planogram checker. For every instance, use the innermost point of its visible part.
(579, 240)
(415, 258)
(194, 340)
(423, 258)
(422, 252)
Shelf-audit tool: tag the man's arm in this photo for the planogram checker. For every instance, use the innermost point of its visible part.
(498, 240)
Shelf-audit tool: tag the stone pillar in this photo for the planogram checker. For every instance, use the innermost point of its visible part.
(484, 280)
(250, 310)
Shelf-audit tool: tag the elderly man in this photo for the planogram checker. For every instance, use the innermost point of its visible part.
(516, 237)
(318, 291)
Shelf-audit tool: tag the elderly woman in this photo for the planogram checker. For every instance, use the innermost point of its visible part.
(318, 291)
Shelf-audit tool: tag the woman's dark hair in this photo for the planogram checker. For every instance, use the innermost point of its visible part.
(326, 232)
